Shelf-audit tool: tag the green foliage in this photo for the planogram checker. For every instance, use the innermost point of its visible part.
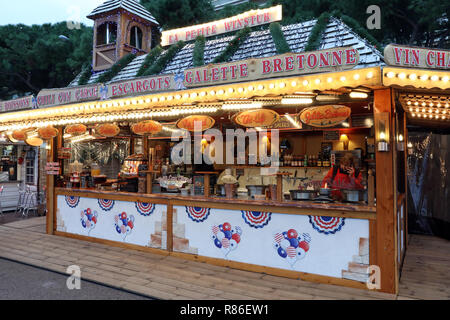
(180, 13)
(362, 32)
(164, 59)
(149, 60)
(34, 57)
(316, 32)
(85, 75)
(233, 45)
(116, 68)
(199, 51)
(279, 39)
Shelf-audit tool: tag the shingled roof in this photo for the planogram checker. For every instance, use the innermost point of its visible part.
(260, 44)
(131, 6)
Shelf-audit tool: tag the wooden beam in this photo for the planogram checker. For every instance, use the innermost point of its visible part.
(50, 192)
(385, 192)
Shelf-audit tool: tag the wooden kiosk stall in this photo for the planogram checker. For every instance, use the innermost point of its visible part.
(311, 111)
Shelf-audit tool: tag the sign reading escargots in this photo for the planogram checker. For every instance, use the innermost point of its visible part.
(325, 116)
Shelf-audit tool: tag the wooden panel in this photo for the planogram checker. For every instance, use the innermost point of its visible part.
(385, 226)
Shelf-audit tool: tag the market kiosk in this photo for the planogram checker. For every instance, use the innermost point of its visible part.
(115, 181)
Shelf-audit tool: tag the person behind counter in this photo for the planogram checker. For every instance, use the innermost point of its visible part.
(344, 175)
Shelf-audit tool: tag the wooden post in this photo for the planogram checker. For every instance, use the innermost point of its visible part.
(385, 193)
(280, 197)
(50, 191)
(206, 184)
(371, 188)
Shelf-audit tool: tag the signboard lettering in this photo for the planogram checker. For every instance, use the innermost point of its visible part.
(17, 104)
(325, 116)
(415, 57)
(251, 18)
(289, 64)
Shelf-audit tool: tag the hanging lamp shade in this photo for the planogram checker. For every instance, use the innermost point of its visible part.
(19, 135)
(146, 127)
(48, 133)
(108, 130)
(256, 118)
(76, 129)
(188, 123)
(34, 142)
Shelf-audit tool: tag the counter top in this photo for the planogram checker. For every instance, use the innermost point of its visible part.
(288, 206)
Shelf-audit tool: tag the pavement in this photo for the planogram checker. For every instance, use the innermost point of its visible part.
(158, 276)
(24, 282)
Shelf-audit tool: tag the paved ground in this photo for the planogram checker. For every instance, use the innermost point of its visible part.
(23, 282)
(159, 276)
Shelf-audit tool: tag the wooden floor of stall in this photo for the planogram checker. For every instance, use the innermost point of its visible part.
(426, 269)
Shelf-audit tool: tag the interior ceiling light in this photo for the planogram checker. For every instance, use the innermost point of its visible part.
(296, 100)
(241, 105)
(358, 95)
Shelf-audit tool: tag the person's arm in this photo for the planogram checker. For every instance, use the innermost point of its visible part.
(357, 181)
(327, 179)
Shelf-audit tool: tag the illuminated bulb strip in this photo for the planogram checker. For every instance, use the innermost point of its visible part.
(358, 95)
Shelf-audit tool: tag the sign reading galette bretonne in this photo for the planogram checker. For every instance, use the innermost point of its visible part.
(402, 56)
(288, 64)
(251, 18)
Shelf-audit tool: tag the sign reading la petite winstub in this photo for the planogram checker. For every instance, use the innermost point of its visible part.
(251, 18)
(289, 64)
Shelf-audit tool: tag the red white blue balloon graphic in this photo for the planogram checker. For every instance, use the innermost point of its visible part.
(145, 209)
(256, 219)
(197, 214)
(89, 219)
(72, 202)
(291, 246)
(327, 225)
(106, 205)
(124, 224)
(226, 238)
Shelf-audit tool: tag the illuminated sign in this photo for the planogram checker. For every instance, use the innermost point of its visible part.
(256, 118)
(402, 56)
(251, 18)
(325, 116)
(289, 64)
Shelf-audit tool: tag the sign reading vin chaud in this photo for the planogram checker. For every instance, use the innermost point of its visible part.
(290, 64)
(415, 57)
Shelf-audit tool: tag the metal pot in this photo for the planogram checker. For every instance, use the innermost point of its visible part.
(350, 195)
(256, 190)
(303, 194)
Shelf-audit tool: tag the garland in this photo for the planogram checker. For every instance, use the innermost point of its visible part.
(322, 22)
(278, 38)
(149, 60)
(86, 74)
(116, 68)
(317, 31)
(164, 59)
(199, 51)
(362, 32)
(233, 46)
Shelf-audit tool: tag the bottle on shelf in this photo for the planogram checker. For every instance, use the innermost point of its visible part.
(305, 163)
(319, 160)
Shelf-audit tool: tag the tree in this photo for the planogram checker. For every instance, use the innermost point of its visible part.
(34, 57)
(180, 13)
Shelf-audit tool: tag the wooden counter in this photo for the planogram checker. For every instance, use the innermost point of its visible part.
(354, 211)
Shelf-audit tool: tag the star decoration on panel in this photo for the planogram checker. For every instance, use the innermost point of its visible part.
(327, 225)
(256, 219)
